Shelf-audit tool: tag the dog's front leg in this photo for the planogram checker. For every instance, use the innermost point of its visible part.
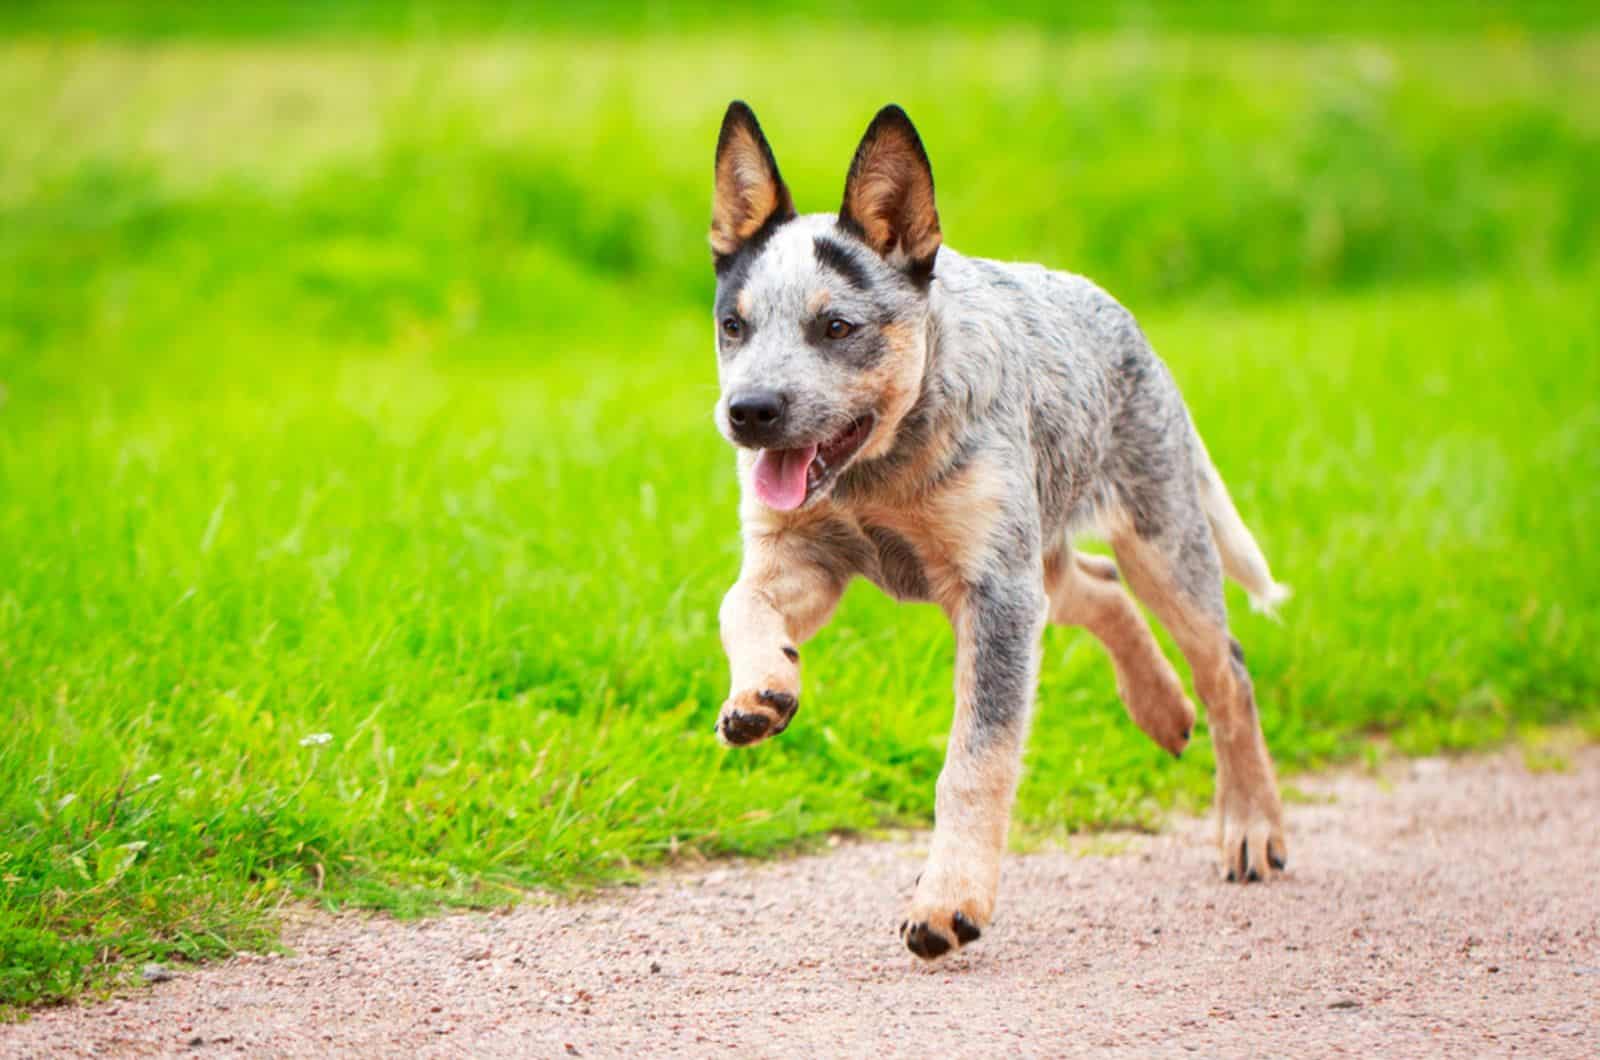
(998, 622)
(788, 587)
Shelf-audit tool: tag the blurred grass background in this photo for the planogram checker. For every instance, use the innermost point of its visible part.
(362, 524)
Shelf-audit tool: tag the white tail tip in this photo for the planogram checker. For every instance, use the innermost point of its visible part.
(1267, 602)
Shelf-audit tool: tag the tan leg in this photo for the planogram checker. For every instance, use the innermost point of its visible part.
(1189, 603)
(1085, 591)
(997, 651)
(784, 595)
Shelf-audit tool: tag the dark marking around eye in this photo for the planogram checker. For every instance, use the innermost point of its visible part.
(842, 260)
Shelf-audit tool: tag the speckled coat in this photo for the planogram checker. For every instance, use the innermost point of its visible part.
(944, 426)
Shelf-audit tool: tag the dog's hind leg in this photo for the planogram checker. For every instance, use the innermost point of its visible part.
(1171, 563)
(1086, 591)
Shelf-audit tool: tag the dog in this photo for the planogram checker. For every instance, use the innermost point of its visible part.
(944, 426)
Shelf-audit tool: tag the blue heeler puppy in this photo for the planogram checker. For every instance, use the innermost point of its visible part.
(943, 426)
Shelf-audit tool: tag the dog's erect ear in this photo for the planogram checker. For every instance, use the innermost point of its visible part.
(749, 193)
(888, 196)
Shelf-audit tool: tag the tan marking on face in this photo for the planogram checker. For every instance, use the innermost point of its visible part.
(891, 387)
(819, 300)
(743, 304)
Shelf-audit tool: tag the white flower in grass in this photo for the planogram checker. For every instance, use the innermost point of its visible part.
(316, 739)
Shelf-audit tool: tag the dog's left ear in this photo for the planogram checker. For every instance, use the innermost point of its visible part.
(888, 196)
(749, 192)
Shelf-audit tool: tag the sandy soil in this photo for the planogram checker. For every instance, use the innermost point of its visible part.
(1451, 909)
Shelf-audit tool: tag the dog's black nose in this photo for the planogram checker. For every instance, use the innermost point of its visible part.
(756, 415)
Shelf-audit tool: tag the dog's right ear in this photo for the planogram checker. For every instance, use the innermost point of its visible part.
(749, 195)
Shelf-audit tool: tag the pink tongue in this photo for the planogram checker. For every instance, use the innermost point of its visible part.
(781, 476)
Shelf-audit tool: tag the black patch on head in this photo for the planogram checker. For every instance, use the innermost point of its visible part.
(839, 258)
(751, 248)
(733, 271)
(920, 273)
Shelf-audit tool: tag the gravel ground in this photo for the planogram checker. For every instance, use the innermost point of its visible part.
(1450, 909)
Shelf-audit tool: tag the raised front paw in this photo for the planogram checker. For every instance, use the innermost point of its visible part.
(753, 715)
(1251, 827)
(765, 697)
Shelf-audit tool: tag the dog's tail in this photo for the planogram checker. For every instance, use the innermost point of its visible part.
(1241, 556)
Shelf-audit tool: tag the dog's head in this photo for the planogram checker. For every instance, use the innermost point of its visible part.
(821, 320)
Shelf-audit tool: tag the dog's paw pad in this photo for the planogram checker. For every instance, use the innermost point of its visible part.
(925, 940)
(934, 936)
(1245, 862)
(751, 716)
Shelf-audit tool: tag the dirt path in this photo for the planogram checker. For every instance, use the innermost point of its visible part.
(1452, 910)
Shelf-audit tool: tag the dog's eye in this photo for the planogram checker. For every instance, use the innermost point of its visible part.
(732, 327)
(838, 329)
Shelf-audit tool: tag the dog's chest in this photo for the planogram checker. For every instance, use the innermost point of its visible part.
(899, 569)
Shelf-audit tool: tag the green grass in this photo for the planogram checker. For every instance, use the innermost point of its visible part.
(363, 389)
(165, 19)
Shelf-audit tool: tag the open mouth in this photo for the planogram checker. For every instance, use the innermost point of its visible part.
(787, 478)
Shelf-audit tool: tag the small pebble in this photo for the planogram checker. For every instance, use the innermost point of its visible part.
(157, 973)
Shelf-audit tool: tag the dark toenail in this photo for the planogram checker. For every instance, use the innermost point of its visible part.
(1253, 876)
(1276, 860)
(782, 702)
(1233, 876)
(792, 652)
(966, 930)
